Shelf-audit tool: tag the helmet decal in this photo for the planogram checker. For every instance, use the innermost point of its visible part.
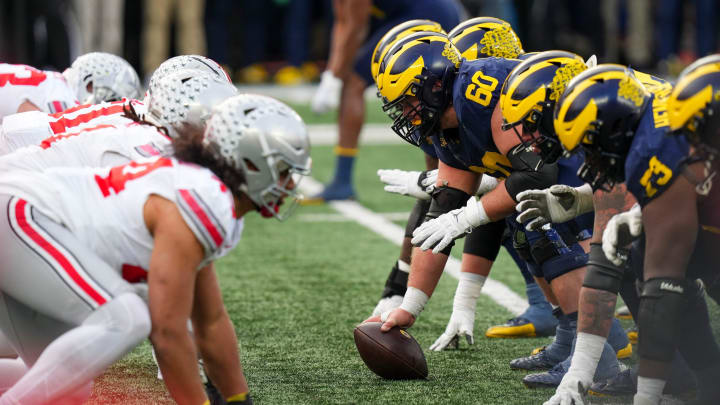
(630, 90)
(563, 76)
(501, 42)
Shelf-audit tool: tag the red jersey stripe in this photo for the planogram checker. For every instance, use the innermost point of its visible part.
(64, 124)
(54, 253)
(202, 216)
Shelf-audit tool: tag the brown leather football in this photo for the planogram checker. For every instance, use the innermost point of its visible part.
(393, 355)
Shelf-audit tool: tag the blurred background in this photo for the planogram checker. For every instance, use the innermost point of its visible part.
(286, 41)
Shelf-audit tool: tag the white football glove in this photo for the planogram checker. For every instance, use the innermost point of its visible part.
(487, 184)
(461, 324)
(327, 95)
(414, 184)
(621, 230)
(571, 391)
(387, 304)
(557, 204)
(441, 231)
(462, 320)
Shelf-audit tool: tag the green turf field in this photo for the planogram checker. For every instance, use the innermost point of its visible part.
(295, 290)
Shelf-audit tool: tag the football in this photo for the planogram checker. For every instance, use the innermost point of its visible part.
(393, 355)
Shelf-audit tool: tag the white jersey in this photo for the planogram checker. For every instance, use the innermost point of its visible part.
(47, 90)
(31, 128)
(103, 207)
(102, 146)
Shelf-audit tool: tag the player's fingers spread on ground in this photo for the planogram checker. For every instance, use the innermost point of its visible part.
(441, 343)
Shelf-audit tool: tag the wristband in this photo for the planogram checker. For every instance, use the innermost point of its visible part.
(414, 301)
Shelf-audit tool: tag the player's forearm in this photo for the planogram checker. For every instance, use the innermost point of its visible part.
(608, 204)
(596, 311)
(426, 269)
(218, 346)
(498, 203)
(177, 359)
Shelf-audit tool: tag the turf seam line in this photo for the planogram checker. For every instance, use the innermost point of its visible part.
(497, 291)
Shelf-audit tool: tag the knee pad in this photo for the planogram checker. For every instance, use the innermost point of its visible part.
(662, 303)
(484, 241)
(417, 216)
(564, 263)
(126, 314)
(602, 274)
(446, 199)
(396, 283)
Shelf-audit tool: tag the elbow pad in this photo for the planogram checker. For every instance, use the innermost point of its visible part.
(529, 172)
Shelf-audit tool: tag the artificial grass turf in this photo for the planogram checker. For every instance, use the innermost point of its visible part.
(295, 291)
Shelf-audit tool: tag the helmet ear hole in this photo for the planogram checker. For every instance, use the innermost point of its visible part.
(250, 165)
(89, 87)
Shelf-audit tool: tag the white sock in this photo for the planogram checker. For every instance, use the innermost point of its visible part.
(649, 391)
(402, 266)
(588, 349)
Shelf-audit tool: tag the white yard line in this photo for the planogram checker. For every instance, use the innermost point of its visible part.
(496, 290)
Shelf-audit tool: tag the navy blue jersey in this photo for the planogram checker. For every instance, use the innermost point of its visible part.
(476, 92)
(656, 156)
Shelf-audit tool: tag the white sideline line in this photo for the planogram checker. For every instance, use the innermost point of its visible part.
(496, 290)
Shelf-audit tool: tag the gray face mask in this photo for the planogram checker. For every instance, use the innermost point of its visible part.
(268, 141)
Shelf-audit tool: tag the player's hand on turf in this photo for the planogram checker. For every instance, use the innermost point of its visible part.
(571, 391)
(397, 317)
(461, 323)
(622, 229)
(414, 184)
(559, 203)
(327, 95)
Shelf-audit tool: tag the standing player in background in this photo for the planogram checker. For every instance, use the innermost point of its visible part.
(357, 28)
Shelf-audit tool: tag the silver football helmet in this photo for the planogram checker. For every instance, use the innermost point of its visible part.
(185, 97)
(98, 76)
(269, 142)
(184, 62)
